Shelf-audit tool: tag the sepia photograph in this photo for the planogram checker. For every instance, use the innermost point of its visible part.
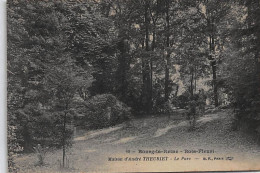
(133, 85)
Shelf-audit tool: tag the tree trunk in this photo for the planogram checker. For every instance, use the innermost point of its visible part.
(258, 53)
(195, 80)
(214, 71)
(213, 61)
(177, 89)
(64, 139)
(147, 99)
(215, 89)
(167, 75)
(191, 82)
(151, 71)
(211, 26)
(122, 67)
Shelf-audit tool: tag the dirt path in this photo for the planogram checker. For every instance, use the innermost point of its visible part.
(91, 151)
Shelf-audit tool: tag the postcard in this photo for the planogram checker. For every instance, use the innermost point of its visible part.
(133, 85)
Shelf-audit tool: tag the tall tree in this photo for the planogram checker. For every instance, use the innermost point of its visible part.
(39, 59)
(241, 68)
(214, 12)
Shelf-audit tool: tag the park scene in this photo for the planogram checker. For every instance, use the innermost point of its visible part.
(91, 82)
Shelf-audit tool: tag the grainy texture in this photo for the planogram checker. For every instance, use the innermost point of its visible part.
(133, 85)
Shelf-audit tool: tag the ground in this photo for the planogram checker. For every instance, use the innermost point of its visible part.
(91, 150)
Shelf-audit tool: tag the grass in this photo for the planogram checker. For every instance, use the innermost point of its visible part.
(90, 150)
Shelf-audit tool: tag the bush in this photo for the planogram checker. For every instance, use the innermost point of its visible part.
(41, 153)
(37, 126)
(13, 148)
(104, 110)
(181, 101)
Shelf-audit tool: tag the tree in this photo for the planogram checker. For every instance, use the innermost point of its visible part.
(43, 79)
(215, 11)
(241, 67)
(63, 83)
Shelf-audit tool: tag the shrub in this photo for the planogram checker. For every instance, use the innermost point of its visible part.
(182, 101)
(41, 152)
(13, 148)
(104, 110)
(38, 126)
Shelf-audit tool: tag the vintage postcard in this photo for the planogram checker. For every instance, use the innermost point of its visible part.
(133, 85)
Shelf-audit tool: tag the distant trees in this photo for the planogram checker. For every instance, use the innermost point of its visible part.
(142, 40)
(241, 65)
(215, 12)
(199, 36)
(192, 47)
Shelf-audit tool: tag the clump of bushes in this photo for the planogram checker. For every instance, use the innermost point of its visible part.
(104, 110)
(181, 101)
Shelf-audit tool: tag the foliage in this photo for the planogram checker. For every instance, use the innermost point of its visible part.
(182, 101)
(241, 67)
(98, 58)
(104, 110)
(13, 147)
(43, 77)
(41, 152)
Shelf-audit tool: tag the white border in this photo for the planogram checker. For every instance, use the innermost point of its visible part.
(3, 90)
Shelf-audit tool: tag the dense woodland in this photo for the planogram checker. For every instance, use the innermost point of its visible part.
(97, 63)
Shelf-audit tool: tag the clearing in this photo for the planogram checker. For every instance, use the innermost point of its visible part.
(91, 150)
